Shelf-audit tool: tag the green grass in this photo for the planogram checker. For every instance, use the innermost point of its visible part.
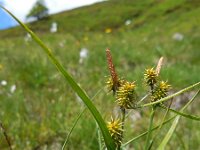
(43, 107)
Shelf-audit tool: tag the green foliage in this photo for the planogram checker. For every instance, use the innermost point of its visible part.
(39, 10)
(43, 107)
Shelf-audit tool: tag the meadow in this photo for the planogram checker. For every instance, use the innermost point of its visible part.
(40, 111)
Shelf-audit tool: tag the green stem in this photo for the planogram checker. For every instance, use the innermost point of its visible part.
(6, 135)
(182, 114)
(123, 116)
(150, 129)
(76, 121)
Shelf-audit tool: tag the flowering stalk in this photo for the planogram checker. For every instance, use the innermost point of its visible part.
(116, 131)
(115, 82)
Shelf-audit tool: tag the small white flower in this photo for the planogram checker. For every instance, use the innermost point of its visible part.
(83, 55)
(178, 36)
(127, 22)
(13, 88)
(54, 27)
(3, 82)
(27, 37)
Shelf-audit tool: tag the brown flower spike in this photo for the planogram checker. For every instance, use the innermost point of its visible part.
(112, 70)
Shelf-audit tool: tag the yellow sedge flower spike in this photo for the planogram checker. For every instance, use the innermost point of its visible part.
(150, 76)
(115, 129)
(160, 91)
(126, 95)
(111, 86)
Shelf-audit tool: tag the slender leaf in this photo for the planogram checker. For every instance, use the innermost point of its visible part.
(149, 129)
(183, 114)
(106, 135)
(146, 132)
(76, 121)
(173, 127)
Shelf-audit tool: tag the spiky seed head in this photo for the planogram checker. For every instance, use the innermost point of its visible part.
(160, 91)
(115, 129)
(126, 95)
(150, 76)
(111, 86)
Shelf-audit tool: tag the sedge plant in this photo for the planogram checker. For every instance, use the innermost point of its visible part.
(126, 98)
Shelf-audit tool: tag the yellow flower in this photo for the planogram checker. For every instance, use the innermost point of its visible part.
(160, 91)
(108, 30)
(150, 76)
(115, 129)
(111, 86)
(126, 95)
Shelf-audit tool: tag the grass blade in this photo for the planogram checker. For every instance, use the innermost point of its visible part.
(173, 127)
(102, 125)
(76, 121)
(145, 133)
(150, 129)
(183, 114)
(170, 96)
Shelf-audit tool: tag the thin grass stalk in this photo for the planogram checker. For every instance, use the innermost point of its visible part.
(165, 115)
(76, 121)
(150, 129)
(123, 113)
(196, 118)
(99, 139)
(6, 136)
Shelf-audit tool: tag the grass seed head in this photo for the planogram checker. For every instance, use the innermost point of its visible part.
(160, 91)
(150, 76)
(115, 129)
(126, 95)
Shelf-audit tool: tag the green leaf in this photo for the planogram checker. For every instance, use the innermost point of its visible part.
(183, 114)
(173, 127)
(145, 133)
(76, 121)
(149, 129)
(102, 125)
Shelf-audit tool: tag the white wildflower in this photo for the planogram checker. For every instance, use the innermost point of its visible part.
(12, 88)
(178, 36)
(83, 55)
(27, 37)
(127, 22)
(3, 82)
(54, 27)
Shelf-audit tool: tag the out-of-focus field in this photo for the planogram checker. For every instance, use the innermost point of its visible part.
(41, 110)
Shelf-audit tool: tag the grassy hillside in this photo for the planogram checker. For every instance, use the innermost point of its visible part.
(42, 109)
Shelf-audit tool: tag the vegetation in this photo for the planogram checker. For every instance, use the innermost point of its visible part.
(42, 109)
(39, 10)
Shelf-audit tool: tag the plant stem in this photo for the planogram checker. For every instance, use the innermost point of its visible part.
(150, 129)
(6, 136)
(123, 116)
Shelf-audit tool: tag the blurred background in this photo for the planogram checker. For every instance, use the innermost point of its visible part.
(37, 106)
